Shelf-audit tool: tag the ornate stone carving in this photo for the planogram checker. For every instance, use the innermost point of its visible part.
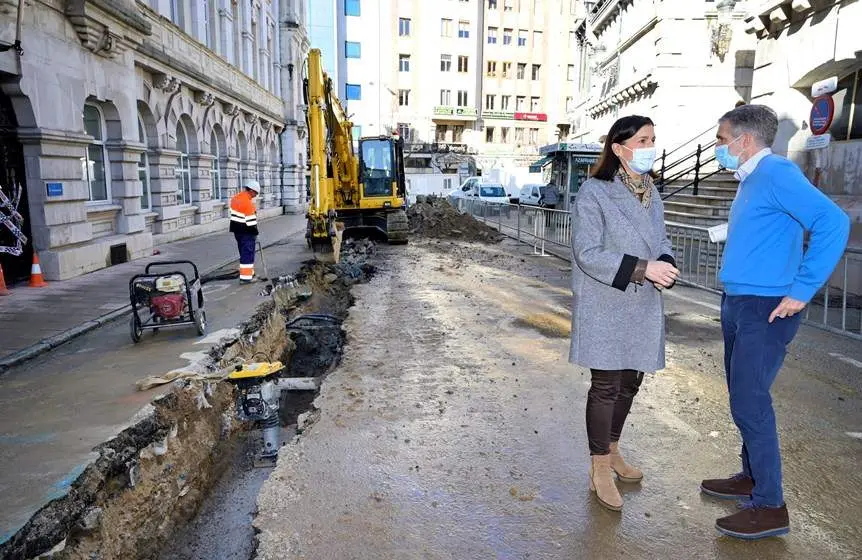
(250, 118)
(95, 23)
(204, 98)
(230, 109)
(167, 84)
(265, 124)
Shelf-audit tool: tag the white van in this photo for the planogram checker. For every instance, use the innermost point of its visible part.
(474, 188)
(545, 196)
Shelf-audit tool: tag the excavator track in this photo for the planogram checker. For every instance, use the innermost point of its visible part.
(397, 227)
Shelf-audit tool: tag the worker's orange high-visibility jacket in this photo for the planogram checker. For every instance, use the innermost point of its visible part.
(243, 214)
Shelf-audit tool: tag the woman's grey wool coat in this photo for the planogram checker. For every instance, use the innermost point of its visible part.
(618, 327)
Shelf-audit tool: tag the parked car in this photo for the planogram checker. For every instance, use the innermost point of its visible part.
(474, 188)
(544, 196)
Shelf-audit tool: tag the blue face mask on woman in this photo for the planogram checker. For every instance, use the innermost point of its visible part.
(642, 159)
(725, 158)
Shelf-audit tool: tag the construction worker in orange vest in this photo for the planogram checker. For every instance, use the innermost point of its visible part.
(243, 224)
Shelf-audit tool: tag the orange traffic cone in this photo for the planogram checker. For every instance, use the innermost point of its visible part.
(36, 280)
(3, 290)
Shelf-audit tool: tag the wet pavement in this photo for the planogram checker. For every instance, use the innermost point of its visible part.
(59, 406)
(454, 429)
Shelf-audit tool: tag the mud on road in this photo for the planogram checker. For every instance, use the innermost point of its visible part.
(453, 428)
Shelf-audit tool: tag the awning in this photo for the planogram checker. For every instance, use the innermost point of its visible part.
(536, 167)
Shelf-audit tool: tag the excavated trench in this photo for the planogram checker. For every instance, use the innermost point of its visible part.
(181, 482)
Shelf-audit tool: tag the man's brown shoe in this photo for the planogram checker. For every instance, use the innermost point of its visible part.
(755, 523)
(733, 488)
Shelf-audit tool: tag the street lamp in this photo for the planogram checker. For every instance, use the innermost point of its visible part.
(722, 32)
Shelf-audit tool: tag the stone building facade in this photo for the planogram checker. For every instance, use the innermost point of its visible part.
(799, 43)
(683, 63)
(136, 121)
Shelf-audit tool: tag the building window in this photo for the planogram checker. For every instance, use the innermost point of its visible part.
(504, 102)
(492, 68)
(489, 102)
(507, 5)
(534, 136)
(522, 38)
(843, 128)
(404, 27)
(462, 98)
(570, 72)
(404, 132)
(352, 49)
(492, 4)
(457, 133)
(403, 97)
(351, 8)
(144, 168)
(177, 12)
(205, 23)
(522, 69)
(534, 104)
(536, 69)
(507, 69)
(356, 132)
(445, 97)
(570, 104)
(492, 35)
(519, 135)
(537, 39)
(215, 170)
(183, 171)
(462, 64)
(353, 92)
(489, 134)
(403, 62)
(463, 29)
(445, 27)
(507, 36)
(96, 160)
(504, 132)
(440, 133)
(519, 102)
(445, 62)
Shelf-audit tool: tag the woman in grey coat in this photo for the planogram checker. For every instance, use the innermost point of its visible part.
(622, 260)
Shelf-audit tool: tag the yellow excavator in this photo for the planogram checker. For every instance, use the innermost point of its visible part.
(351, 194)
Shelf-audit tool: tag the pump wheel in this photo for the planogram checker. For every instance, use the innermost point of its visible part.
(135, 328)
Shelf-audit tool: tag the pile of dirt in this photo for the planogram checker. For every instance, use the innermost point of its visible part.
(435, 217)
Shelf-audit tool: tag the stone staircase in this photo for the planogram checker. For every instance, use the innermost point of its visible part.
(709, 208)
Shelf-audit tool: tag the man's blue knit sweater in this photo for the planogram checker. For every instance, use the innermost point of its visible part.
(764, 252)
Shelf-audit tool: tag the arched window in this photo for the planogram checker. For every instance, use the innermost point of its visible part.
(96, 160)
(216, 167)
(144, 168)
(184, 176)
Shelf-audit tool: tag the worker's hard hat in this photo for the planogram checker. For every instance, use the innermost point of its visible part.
(252, 185)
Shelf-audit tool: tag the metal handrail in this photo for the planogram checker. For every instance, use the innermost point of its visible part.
(694, 183)
(690, 140)
(698, 258)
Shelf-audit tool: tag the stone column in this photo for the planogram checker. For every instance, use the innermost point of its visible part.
(227, 28)
(231, 177)
(201, 168)
(275, 178)
(55, 221)
(265, 178)
(293, 172)
(164, 185)
(247, 40)
(126, 188)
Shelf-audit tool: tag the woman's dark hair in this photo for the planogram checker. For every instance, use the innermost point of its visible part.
(620, 131)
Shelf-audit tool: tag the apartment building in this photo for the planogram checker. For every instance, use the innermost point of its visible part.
(480, 76)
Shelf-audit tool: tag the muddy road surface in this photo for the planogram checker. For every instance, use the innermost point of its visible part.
(454, 428)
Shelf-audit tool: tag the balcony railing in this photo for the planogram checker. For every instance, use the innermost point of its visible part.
(438, 148)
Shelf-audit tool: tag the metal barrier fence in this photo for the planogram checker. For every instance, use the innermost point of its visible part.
(837, 307)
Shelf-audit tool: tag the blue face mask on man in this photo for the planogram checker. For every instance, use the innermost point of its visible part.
(725, 158)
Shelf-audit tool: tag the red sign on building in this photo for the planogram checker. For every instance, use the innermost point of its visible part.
(538, 117)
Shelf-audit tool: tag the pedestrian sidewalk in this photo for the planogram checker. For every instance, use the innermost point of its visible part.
(34, 320)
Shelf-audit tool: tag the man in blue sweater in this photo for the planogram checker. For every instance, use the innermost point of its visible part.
(768, 280)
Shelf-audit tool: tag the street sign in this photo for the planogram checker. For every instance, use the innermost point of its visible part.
(822, 113)
(823, 87)
(54, 189)
(817, 142)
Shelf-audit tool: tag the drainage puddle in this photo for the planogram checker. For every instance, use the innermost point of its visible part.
(182, 481)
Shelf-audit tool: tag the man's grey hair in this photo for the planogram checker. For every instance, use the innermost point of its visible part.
(758, 120)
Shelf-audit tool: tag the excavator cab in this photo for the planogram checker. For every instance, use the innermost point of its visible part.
(381, 167)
